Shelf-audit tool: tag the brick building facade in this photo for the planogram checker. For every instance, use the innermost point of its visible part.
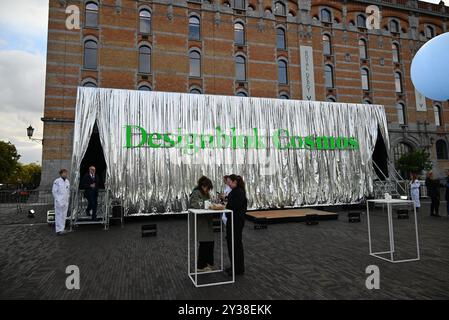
(248, 48)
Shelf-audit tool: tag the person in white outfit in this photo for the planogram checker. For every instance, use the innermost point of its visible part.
(61, 194)
(414, 191)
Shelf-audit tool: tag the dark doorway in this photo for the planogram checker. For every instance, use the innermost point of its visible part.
(380, 157)
(94, 157)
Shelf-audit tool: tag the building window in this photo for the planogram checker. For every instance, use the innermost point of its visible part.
(279, 8)
(195, 91)
(329, 76)
(284, 96)
(240, 68)
(90, 55)
(398, 82)
(326, 16)
(144, 88)
(394, 26)
(91, 14)
(90, 84)
(145, 21)
(280, 39)
(365, 79)
(366, 101)
(194, 28)
(437, 112)
(361, 21)
(430, 32)
(241, 94)
(327, 45)
(400, 150)
(239, 4)
(400, 108)
(395, 48)
(239, 33)
(144, 59)
(195, 64)
(330, 99)
(441, 147)
(363, 52)
(282, 72)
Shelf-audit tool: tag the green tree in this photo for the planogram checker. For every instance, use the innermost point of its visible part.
(415, 162)
(29, 174)
(9, 161)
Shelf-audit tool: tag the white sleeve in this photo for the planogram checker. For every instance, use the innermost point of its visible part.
(54, 189)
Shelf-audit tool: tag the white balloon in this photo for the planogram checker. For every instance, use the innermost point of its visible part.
(430, 68)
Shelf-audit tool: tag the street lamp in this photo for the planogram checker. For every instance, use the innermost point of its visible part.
(30, 132)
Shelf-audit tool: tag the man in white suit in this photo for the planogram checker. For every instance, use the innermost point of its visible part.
(61, 193)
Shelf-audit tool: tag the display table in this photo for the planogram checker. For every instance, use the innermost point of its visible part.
(390, 253)
(194, 275)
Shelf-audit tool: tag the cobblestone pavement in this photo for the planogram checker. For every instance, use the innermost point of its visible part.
(286, 261)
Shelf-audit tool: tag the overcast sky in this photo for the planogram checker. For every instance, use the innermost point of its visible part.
(23, 38)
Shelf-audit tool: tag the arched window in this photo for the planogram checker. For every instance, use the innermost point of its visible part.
(441, 147)
(282, 72)
(195, 91)
(399, 150)
(268, 12)
(195, 63)
(194, 28)
(330, 99)
(90, 54)
(280, 38)
(239, 33)
(145, 21)
(329, 76)
(284, 96)
(326, 15)
(144, 59)
(91, 14)
(366, 101)
(239, 4)
(394, 26)
(279, 8)
(437, 113)
(241, 94)
(363, 52)
(398, 82)
(430, 32)
(365, 79)
(90, 84)
(395, 49)
(144, 88)
(240, 68)
(327, 45)
(361, 21)
(400, 109)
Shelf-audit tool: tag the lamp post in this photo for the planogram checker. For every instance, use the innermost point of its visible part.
(30, 132)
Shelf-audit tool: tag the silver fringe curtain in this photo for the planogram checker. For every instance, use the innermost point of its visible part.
(150, 180)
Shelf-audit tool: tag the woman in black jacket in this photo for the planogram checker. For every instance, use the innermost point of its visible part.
(237, 202)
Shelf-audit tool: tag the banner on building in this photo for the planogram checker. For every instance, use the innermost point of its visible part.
(307, 73)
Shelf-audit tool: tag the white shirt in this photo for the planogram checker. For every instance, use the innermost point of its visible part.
(61, 191)
(227, 190)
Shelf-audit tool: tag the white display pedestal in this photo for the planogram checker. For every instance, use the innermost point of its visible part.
(194, 275)
(389, 204)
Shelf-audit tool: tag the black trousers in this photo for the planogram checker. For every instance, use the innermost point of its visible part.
(239, 223)
(92, 202)
(205, 254)
(434, 205)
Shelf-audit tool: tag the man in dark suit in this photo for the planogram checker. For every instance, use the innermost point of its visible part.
(90, 185)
